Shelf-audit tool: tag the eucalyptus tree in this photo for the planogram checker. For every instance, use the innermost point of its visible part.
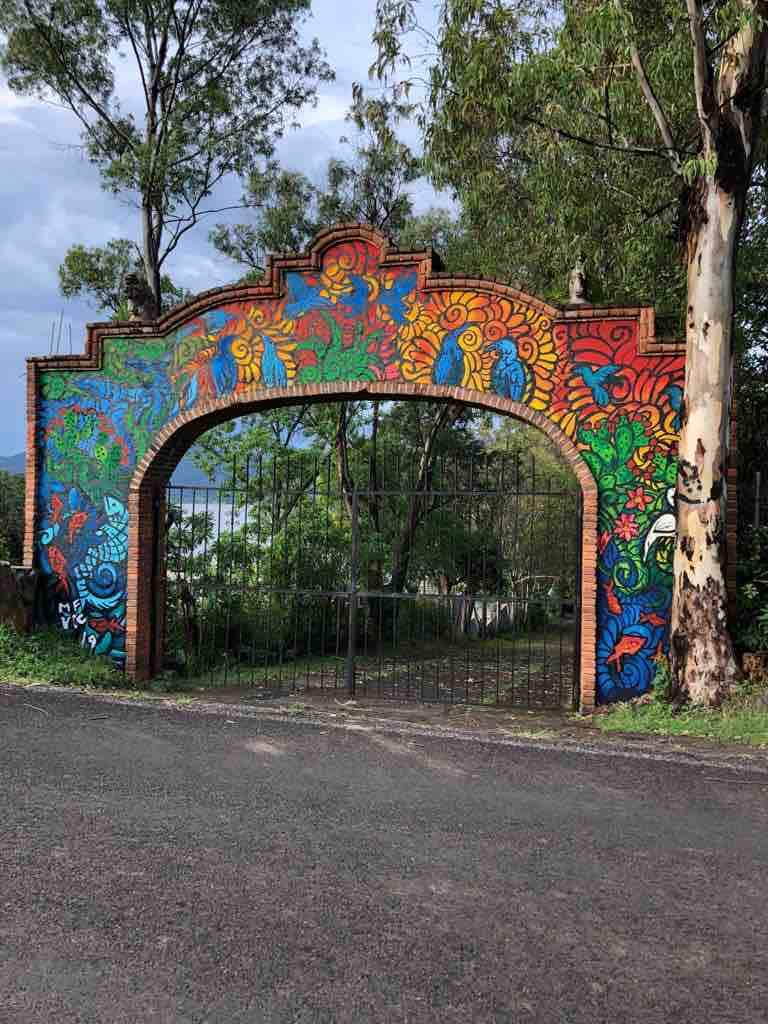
(171, 95)
(368, 186)
(660, 101)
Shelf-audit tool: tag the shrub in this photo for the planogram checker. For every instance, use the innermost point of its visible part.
(11, 517)
(751, 632)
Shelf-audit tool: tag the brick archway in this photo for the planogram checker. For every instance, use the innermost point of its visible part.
(355, 316)
(147, 490)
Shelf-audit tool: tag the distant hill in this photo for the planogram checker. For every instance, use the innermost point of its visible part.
(13, 463)
(186, 474)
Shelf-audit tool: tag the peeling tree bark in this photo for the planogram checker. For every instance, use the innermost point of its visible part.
(730, 111)
(703, 664)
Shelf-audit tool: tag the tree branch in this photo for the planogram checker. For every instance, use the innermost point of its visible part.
(615, 147)
(203, 213)
(702, 71)
(651, 99)
(89, 100)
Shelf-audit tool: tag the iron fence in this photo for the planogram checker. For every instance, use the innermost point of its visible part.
(753, 498)
(457, 585)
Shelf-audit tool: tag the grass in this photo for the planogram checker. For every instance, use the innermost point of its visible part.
(50, 656)
(742, 719)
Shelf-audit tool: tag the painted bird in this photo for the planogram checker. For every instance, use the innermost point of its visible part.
(273, 372)
(663, 526)
(449, 365)
(675, 395)
(356, 300)
(216, 320)
(508, 374)
(597, 380)
(224, 367)
(394, 296)
(302, 296)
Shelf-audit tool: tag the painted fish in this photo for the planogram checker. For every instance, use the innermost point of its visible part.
(75, 524)
(614, 606)
(112, 551)
(57, 507)
(627, 646)
(59, 565)
(652, 619)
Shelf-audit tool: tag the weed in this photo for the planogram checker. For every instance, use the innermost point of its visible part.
(50, 656)
(742, 719)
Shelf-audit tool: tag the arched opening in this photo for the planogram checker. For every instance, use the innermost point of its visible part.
(378, 611)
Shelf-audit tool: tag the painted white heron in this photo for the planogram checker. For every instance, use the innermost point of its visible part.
(663, 526)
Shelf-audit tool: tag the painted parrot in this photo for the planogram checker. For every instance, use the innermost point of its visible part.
(508, 375)
(675, 395)
(224, 367)
(273, 372)
(449, 365)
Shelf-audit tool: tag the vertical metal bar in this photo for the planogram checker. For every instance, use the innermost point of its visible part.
(230, 567)
(352, 590)
(204, 581)
(757, 499)
(243, 564)
(218, 582)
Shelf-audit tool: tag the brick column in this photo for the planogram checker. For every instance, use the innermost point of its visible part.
(139, 638)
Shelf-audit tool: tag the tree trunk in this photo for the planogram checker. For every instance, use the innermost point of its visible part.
(151, 264)
(445, 416)
(702, 659)
(375, 566)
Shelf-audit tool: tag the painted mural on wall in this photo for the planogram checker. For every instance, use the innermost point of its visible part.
(356, 321)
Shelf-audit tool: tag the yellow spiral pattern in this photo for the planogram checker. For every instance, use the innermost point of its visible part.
(486, 319)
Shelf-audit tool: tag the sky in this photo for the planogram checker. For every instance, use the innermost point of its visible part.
(51, 198)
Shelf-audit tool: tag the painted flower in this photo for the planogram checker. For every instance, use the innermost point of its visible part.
(639, 499)
(626, 528)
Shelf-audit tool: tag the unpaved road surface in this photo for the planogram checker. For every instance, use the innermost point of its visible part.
(163, 865)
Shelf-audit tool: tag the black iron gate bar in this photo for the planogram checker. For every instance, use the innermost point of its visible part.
(202, 601)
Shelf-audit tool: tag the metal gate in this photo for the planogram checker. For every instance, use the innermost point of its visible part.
(456, 583)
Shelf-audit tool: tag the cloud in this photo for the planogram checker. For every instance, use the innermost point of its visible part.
(329, 109)
(52, 198)
(11, 104)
